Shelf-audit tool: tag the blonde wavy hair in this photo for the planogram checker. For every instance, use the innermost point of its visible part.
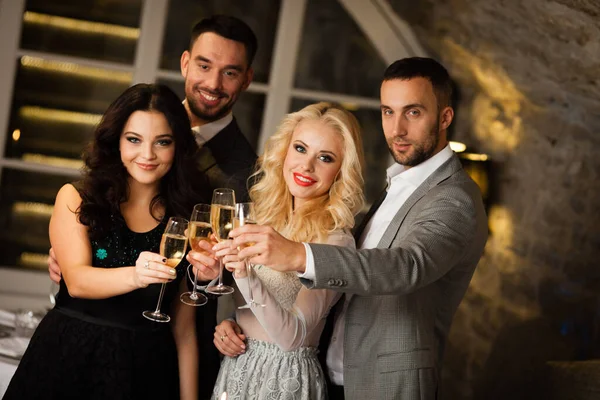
(316, 218)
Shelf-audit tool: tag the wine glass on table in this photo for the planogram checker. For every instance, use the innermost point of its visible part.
(222, 216)
(199, 229)
(244, 215)
(172, 247)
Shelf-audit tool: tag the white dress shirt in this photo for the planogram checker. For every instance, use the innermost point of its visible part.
(203, 133)
(401, 183)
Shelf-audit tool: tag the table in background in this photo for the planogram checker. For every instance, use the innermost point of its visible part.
(8, 366)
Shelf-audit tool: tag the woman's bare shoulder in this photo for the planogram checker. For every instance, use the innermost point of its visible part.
(68, 196)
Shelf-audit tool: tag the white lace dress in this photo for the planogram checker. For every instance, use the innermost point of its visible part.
(280, 362)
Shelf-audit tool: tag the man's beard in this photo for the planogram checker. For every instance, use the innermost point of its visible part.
(421, 151)
(214, 114)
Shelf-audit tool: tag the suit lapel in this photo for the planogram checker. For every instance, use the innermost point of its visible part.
(215, 150)
(446, 170)
(205, 159)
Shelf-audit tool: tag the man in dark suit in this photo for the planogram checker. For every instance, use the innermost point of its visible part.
(217, 69)
(415, 256)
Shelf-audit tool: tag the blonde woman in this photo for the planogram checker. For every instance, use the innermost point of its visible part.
(309, 188)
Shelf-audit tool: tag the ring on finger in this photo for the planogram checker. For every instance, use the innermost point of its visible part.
(223, 338)
(147, 264)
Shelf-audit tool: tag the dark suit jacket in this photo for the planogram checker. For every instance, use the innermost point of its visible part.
(227, 159)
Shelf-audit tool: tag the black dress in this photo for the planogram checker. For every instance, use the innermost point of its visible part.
(104, 349)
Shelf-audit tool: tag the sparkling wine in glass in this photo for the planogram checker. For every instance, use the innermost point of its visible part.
(244, 215)
(172, 247)
(222, 217)
(199, 229)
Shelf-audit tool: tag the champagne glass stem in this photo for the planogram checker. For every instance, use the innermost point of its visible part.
(220, 288)
(249, 272)
(220, 271)
(160, 297)
(194, 296)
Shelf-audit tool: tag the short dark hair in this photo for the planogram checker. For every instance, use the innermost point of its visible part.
(104, 186)
(428, 68)
(230, 28)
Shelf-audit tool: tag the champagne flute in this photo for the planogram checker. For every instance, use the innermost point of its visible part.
(172, 247)
(199, 229)
(222, 211)
(244, 215)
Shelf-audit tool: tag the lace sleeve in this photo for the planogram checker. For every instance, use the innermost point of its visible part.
(289, 327)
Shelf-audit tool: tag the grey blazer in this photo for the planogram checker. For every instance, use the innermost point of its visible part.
(406, 291)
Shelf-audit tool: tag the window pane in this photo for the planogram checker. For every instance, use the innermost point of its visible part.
(377, 156)
(335, 56)
(56, 106)
(261, 16)
(248, 110)
(25, 209)
(374, 145)
(104, 30)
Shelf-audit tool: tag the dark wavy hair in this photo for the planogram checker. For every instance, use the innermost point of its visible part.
(105, 183)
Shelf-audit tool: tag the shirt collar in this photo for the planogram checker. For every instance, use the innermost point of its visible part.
(419, 173)
(203, 133)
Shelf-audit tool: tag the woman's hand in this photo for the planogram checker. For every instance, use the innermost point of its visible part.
(151, 268)
(204, 262)
(231, 260)
(229, 339)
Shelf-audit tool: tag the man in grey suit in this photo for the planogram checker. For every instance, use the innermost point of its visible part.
(417, 252)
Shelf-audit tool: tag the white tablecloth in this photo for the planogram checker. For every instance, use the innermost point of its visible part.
(7, 369)
(11, 349)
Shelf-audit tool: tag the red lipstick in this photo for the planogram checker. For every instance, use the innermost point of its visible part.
(302, 180)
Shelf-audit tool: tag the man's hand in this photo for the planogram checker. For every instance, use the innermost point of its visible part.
(205, 263)
(269, 249)
(229, 338)
(53, 267)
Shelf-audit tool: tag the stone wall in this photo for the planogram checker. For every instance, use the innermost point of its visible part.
(529, 80)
